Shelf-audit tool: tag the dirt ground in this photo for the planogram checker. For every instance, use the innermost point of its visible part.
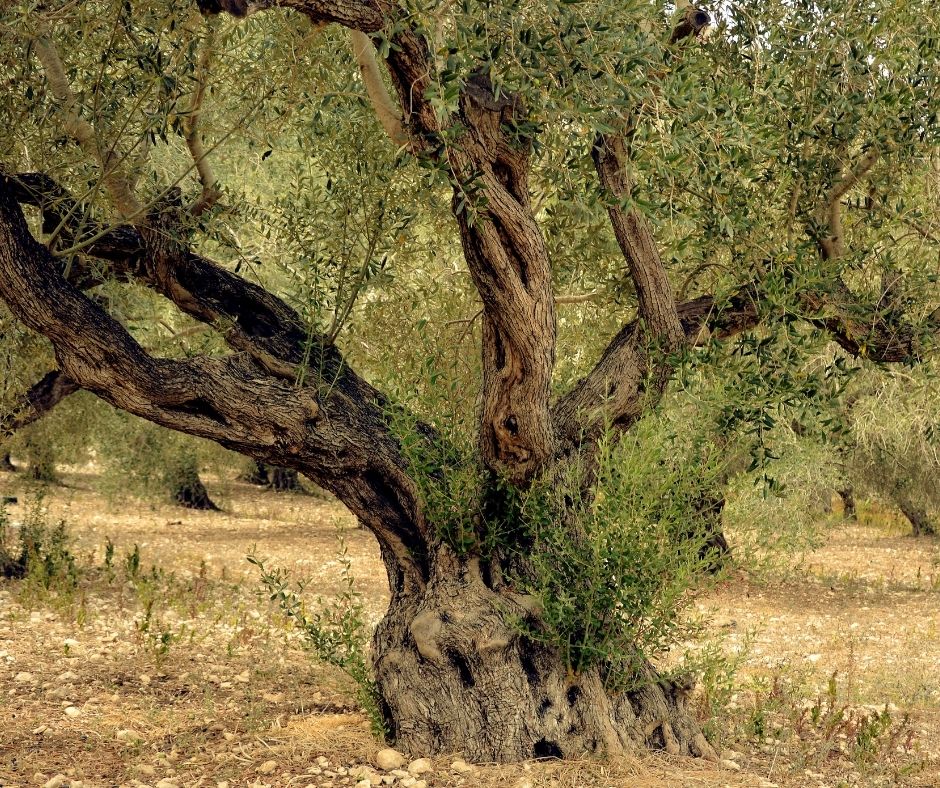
(173, 671)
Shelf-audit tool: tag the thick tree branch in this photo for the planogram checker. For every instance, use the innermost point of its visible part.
(657, 304)
(509, 264)
(616, 392)
(41, 398)
(337, 434)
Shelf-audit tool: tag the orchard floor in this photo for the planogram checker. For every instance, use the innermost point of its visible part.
(184, 677)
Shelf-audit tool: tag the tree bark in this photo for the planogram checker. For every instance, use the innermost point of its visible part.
(847, 494)
(920, 521)
(285, 480)
(456, 675)
(187, 487)
(41, 398)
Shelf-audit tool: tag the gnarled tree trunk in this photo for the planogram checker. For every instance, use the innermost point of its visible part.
(456, 674)
(847, 494)
(918, 518)
(453, 667)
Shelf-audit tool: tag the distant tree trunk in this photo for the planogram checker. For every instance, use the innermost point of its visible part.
(187, 488)
(6, 464)
(258, 475)
(277, 478)
(714, 549)
(285, 480)
(918, 518)
(847, 495)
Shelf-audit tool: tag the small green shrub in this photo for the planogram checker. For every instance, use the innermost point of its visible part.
(40, 553)
(336, 632)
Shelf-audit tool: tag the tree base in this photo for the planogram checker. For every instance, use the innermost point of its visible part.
(455, 675)
(194, 495)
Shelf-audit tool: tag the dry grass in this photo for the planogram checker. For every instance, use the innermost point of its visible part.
(209, 687)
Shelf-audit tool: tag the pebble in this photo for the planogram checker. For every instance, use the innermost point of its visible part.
(389, 759)
(56, 782)
(273, 697)
(461, 767)
(68, 677)
(23, 677)
(267, 767)
(419, 766)
(728, 764)
(168, 782)
(145, 769)
(72, 711)
(129, 735)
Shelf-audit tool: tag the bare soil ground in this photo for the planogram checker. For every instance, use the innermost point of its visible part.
(177, 673)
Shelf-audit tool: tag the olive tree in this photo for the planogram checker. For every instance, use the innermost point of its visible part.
(720, 180)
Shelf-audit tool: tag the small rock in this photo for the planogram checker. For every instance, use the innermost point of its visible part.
(728, 764)
(409, 782)
(323, 761)
(72, 711)
(145, 769)
(68, 677)
(273, 697)
(267, 767)
(461, 767)
(389, 759)
(364, 784)
(56, 782)
(23, 678)
(40, 730)
(70, 643)
(144, 680)
(401, 774)
(128, 735)
(168, 782)
(222, 784)
(419, 766)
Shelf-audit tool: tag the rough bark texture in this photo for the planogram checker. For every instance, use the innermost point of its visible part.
(457, 676)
